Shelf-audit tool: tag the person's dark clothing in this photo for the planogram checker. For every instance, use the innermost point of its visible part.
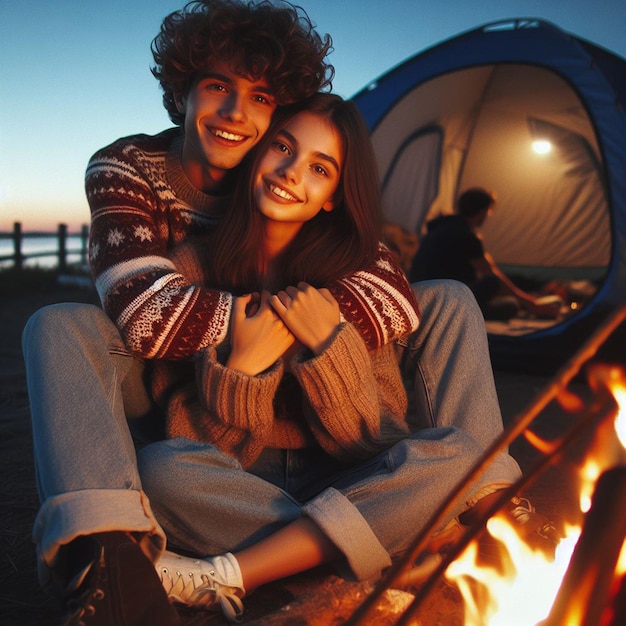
(447, 251)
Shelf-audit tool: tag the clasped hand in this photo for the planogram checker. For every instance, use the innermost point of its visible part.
(265, 326)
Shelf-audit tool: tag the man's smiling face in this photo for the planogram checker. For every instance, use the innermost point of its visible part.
(225, 116)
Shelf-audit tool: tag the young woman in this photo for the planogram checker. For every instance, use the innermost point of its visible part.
(300, 230)
(291, 447)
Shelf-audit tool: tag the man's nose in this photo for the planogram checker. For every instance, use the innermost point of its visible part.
(233, 107)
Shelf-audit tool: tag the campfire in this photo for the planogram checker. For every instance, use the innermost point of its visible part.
(525, 593)
(584, 583)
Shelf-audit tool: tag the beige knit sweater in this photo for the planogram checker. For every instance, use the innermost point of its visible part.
(348, 400)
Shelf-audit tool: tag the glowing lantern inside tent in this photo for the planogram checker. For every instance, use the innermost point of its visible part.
(541, 146)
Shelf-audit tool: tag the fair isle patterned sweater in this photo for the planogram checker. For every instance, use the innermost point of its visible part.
(142, 205)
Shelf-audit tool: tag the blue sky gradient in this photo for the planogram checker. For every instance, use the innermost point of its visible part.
(75, 75)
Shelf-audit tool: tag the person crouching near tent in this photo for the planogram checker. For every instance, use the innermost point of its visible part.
(453, 249)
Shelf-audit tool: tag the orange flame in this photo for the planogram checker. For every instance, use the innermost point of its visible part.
(608, 447)
(495, 598)
(620, 570)
(618, 388)
(504, 598)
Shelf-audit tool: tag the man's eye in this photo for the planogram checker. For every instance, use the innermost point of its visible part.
(280, 146)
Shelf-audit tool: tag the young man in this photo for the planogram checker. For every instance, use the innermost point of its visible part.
(224, 67)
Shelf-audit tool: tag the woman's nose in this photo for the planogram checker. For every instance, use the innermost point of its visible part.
(289, 170)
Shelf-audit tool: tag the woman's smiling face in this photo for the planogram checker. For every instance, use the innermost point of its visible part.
(299, 174)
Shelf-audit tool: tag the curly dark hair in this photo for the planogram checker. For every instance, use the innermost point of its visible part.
(472, 201)
(266, 39)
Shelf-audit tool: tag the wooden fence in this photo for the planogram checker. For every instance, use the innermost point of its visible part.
(62, 252)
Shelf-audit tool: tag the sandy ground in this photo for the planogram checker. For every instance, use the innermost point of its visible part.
(317, 598)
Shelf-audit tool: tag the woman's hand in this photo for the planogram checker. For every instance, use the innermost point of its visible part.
(258, 335)
(311, 314)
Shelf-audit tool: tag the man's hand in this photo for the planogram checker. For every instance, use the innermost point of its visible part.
(546, 307)
(310, 314)
(258, 335)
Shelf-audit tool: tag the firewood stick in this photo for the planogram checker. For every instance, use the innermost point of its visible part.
(585, 591)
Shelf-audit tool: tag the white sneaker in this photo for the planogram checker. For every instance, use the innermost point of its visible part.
(203, 583)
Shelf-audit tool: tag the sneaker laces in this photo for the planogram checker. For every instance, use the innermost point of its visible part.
(526, 516)
(537, 531)
(111, 581)
(197, 583)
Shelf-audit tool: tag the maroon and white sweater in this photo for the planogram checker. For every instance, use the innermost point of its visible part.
(142, 205)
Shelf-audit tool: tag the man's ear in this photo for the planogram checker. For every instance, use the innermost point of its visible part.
(181, 103)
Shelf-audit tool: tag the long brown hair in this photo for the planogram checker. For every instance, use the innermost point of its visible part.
(329, 246)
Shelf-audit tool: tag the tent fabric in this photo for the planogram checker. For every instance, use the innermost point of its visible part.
(494, 102)
(411, 184)
(464, 113)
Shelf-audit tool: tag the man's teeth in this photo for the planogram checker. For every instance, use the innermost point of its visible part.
(282, 193)
(230, 136)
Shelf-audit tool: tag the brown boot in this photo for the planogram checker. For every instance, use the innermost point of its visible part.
(113, 583)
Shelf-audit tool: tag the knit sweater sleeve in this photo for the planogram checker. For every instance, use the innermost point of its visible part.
(136, 218)
(378, 301)
(247, 402)
(357, 397)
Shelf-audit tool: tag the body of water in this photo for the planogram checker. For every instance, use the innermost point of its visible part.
(37, 245)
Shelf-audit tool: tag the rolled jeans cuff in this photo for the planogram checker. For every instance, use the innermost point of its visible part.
(342, 523)
(63, 518)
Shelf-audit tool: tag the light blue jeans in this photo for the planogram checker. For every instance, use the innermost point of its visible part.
(81, 377)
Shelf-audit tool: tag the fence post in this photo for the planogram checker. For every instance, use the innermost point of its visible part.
(17, 245)
(62, 247)
(84, 239)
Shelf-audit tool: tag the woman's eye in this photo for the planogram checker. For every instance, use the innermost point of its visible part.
(320, 170)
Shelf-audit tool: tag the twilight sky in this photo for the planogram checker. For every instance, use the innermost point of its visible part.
(75, 75)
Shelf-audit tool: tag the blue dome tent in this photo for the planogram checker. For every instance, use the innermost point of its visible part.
(465, 113)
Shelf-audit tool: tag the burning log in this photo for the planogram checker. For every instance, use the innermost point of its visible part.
(619, 604)
(588, 583)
